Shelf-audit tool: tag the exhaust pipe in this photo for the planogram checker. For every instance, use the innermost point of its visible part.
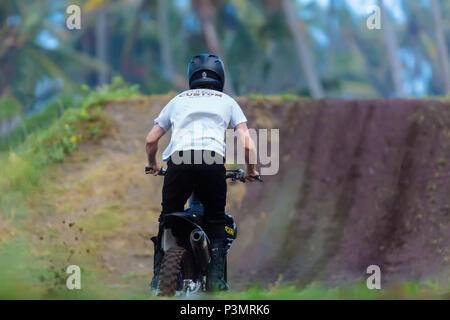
(200, 249)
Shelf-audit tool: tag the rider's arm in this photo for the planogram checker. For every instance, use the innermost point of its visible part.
(151, 146)
(250, 150)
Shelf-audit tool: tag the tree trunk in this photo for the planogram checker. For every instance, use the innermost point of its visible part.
(360, 44)
(332, 28)
(303, 51)
(392, 50)
(206, 12)
(166, 52)
(131, 37)
(442, 47)
(101, 44)
(164, 41)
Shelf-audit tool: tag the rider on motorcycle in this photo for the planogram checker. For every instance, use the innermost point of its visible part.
(198, 118)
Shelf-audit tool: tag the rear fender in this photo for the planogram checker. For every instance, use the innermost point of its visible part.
(168, 239)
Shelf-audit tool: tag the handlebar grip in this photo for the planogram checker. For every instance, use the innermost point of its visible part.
(238, 174)
(258, 177)
(161, 172)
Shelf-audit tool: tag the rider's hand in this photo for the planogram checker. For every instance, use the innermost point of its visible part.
(154, 168)
(250, 173)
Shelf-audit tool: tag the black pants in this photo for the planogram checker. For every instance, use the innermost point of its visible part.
(208, 183)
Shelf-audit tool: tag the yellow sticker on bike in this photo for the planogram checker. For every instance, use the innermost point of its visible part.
(229, 231)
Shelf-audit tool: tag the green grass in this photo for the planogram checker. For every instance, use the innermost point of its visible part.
(357, 291)
(278, 97)
(24, 272)
(38, 121)
(9, 107)
(25, 275)
(105, 222)
(26, 168)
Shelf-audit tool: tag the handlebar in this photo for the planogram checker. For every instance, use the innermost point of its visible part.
(161, 172)
(234, 174)
(239, 174)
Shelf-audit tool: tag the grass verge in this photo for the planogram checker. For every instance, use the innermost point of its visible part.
(27, 272)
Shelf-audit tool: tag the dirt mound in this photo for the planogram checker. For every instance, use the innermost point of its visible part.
(360, 183)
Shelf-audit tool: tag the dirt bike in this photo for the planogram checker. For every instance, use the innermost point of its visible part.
(187, 248)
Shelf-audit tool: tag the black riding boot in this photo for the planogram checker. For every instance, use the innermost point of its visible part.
(157, 260)
(216, 269)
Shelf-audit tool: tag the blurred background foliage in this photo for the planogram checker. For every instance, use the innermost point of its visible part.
(301, 47)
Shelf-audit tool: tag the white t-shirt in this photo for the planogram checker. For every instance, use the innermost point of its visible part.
(198, 119)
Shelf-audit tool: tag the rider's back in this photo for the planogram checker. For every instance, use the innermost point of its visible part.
(198, 119)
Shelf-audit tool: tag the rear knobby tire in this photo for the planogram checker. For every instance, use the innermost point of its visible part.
(170, 271)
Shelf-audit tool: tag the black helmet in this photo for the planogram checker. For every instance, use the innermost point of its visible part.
(206, 71)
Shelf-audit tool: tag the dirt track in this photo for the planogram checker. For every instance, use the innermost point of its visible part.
(360, 183)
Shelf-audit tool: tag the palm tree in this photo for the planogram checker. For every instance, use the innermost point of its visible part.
(206, 12)
(23, 62)
(164, 39)
(390, 39)
(100, 9)
(303, 50)
(101, 43)
(441, 44)
(165, 52)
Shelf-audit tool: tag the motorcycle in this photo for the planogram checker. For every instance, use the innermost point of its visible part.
(186, 247)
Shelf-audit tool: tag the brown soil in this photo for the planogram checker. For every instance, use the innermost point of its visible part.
(360, 183)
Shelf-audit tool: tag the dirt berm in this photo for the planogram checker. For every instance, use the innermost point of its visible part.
(361, 182)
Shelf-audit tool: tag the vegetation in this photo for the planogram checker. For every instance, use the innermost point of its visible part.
(26, 276)
(23, 170)
(26, 170)
(325, 49)
(359, 291)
